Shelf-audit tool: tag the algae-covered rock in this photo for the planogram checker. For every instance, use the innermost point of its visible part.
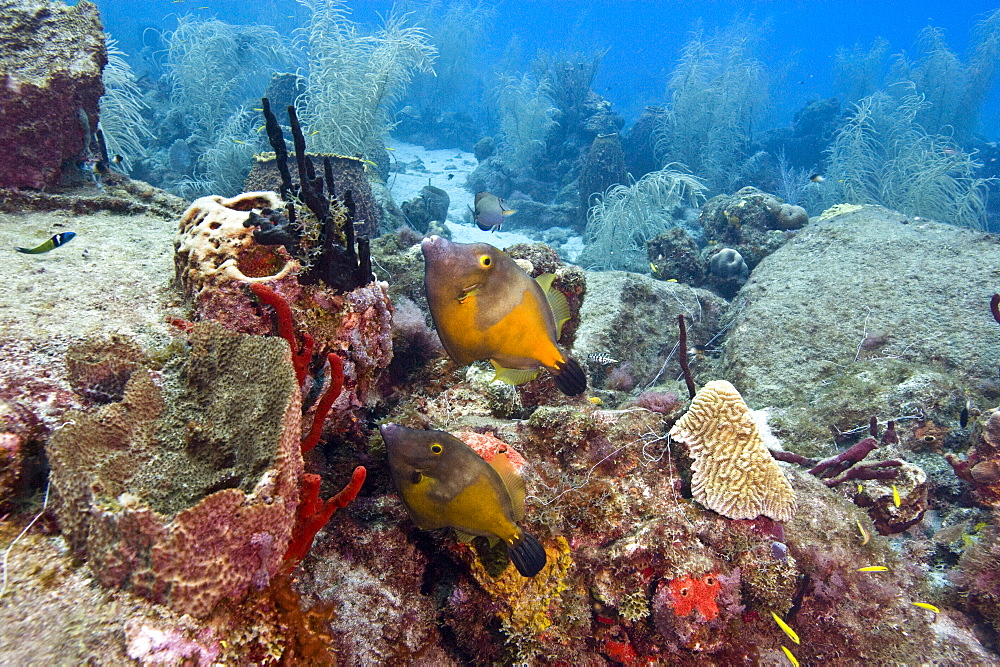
(185, 492)
(633, 319)
(869, 313)
(51, 59)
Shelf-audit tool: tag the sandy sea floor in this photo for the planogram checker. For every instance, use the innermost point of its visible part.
(425, 166)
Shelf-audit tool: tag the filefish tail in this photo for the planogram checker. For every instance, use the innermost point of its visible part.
(570, 377)
(527, 554)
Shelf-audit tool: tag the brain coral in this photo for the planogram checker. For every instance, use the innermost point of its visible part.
(186, 491)
(734, 473)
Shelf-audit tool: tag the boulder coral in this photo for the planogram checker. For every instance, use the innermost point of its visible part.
(186, 491)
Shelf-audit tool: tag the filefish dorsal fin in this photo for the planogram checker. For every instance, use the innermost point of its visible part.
(513, 375)
(557, 301)
(512, 481)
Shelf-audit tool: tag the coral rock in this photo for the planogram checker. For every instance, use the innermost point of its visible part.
(186, 491)
(51, 59)
(734, 474)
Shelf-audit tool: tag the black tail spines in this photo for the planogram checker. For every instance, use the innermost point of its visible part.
(528, 555)
(571, 378)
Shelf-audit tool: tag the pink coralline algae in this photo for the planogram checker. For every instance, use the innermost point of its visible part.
(155, 646)
(488, 446)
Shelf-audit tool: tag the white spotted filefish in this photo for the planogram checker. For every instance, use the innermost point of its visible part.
(444, 483)
(485, 306)
(51, 244)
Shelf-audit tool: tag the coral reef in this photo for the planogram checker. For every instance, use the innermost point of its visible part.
(186, 492)
(734, 473)
(214, 245)
(751, 222)
(353, 78)
(430, 205)
(978, 575)
(728, 271)
(349, 174)
(882, 155)
(645, 208)
(50, 70)
(674, 255)
(602, 168)
(981, 466)
(632, 318)
(718, 91)
(99, 369)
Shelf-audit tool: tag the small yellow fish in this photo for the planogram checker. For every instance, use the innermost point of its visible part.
(672, 280)
(926, 605)
(257, 109)
(786, 628)
(596, 400)
(895, 496)
(444, 483)
(390, 148)
(261, 128)
(313, 132)
(237, 141)
(865, 537)
(485, 306)
(873, 568)
(791, 658)
(861, 488)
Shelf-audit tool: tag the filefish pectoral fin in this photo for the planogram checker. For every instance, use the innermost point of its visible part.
(463, 536)
(527, 554)
(514, 375)
(512, 481)
(570, 377)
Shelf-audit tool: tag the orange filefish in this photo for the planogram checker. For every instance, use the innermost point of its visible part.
(444, 483)
(485, 306)
(490, 212)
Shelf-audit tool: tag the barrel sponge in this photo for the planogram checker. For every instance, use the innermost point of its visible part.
(733, 471)
(214, 246)
(186, 490)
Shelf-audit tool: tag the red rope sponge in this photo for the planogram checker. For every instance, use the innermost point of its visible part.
(286, 328)
(325, 403)
(314, 513)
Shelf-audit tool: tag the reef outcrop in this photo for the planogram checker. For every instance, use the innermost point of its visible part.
(51, 59)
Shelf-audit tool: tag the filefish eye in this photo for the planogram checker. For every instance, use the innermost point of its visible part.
(485, 260)
(436, 448)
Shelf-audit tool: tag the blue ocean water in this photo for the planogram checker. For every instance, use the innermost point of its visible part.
(799, 38)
